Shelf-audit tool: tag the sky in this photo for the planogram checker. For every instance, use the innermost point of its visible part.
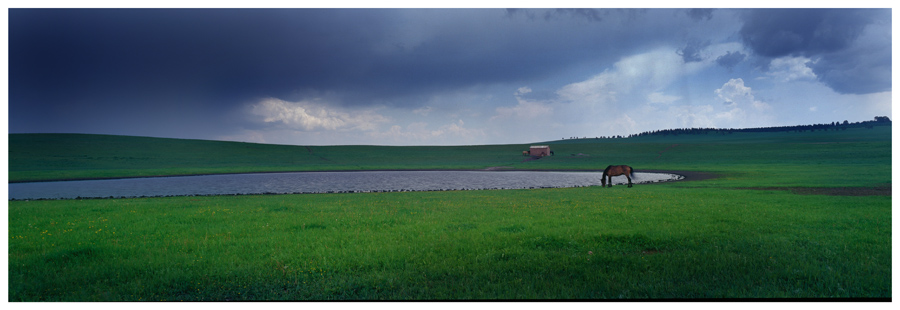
(440, 76)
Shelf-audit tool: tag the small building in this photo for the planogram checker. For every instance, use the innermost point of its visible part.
(539, 150)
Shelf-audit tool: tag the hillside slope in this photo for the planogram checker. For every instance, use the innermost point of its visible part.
(801, 157)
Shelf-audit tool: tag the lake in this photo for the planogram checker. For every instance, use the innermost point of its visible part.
(317, 182)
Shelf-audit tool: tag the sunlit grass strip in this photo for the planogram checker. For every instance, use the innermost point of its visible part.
(660, 241)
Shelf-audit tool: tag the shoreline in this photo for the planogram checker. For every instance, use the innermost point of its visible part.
(455, 180)
(688, 175)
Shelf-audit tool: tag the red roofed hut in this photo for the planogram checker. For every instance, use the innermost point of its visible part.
(539, 150)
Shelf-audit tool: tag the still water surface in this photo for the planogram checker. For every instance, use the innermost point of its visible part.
(317, 182)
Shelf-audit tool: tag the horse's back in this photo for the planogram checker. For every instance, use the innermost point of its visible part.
(618, 170)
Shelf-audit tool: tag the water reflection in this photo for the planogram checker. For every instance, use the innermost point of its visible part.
(317, 182)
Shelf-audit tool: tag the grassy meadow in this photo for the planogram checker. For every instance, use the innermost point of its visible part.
(745, 234)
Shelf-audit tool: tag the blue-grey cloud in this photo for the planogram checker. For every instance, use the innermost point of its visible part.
(700, 14)
(823, 35)
(785, 32)
(212, 51)
(730, 59)
(238, 55)
(593, 15)
(193, 72)
(851, 74)
(691, 51)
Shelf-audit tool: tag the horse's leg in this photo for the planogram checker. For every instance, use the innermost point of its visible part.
(609, 184)
(629, 180)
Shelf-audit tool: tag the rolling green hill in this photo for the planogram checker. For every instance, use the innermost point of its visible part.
(35, 157)
(792, 158)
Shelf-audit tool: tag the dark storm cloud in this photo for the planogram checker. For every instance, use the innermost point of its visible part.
(587, 14)
(88, 68)
(226, 53)
(784, 32)
(226, 57)
(849, 73)
(691, 51)
(700, 14)
(823, 35)
(205, 51)
(730, 59)
(556, 14)
(194, 72)
(83, 69)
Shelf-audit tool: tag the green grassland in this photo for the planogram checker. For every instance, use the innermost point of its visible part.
(727, 237)
(811, 155)
(35, 157)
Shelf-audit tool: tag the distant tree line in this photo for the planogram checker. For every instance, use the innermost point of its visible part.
(878, 121)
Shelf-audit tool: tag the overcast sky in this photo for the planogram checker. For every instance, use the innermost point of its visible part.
(440, 76)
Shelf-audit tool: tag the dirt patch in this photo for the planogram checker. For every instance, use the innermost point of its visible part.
(650, 252)
(665, 150)
(530, 158)
(831, 191)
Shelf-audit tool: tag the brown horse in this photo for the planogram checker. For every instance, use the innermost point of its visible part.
(612, 171)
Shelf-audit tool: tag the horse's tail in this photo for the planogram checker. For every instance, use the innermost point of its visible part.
(631, 172)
